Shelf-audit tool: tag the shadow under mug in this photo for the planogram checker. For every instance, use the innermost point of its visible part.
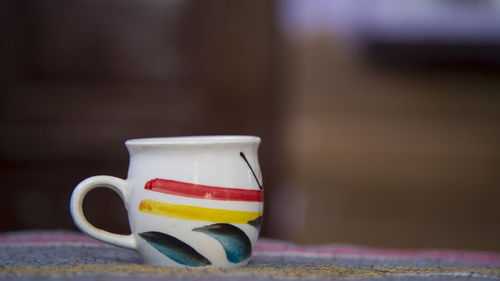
(191, 201)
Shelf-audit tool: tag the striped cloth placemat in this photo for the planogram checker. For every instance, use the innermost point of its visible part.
(48, 255)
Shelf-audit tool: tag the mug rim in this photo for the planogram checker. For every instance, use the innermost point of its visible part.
(201, 139)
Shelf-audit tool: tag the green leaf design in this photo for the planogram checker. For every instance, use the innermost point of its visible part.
(175, 249)
(234, 241)
(256, 222)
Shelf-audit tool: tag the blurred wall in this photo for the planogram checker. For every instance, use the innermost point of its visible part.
(392, 132)
(367, 141)
(81, 77)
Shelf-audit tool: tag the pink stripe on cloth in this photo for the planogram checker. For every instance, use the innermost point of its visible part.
(275, 247)
(475, 257)
(46, 237)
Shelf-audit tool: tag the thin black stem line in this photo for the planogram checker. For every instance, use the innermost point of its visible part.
(253, 173)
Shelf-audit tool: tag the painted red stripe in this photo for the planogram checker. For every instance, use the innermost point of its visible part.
(203, 191)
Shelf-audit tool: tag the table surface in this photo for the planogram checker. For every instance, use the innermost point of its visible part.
(49, 255)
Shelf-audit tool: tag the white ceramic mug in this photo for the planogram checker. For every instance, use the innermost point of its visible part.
(191, 201)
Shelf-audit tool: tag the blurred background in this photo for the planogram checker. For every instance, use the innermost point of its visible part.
(380, 119)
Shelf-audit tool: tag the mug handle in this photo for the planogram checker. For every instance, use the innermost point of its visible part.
(117, 185)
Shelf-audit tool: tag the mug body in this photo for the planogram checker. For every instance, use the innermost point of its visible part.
(195, 201)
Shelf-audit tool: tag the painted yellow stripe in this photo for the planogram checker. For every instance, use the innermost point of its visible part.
(196, 213)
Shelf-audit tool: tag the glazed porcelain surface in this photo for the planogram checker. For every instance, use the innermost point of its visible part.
(191, 201)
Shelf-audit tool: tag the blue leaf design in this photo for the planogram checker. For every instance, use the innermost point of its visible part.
(256, 222)
(175, 249)
(234, 241)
